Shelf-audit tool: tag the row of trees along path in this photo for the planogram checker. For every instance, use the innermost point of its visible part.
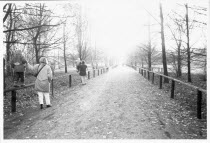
(120, 104)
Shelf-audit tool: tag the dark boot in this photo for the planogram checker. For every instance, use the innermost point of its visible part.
(49, 106)
(41, 106)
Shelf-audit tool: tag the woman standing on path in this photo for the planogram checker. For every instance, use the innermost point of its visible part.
(43, 74)
(82, 72)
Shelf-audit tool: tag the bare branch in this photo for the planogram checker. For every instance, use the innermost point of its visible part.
(28, 28)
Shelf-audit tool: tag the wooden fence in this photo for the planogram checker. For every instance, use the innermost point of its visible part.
(150, 75)
(14, 89)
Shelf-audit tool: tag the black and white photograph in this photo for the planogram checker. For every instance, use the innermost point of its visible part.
(104, 71)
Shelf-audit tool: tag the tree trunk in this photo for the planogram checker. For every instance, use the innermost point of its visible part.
(64, 48)
(64, 52)
(149, 50)
(8, 12)
(163, 46)
(79, 35)
(179, 71)
(142, 63)
(205, 71)
(36, 53)
(188, 47)
(37, 50)
(8, 45)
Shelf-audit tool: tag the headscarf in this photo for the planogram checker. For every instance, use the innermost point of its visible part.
(43, 60)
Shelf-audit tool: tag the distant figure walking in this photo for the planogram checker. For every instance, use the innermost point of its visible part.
(78, 62)
(43, 74)
(78, 66)
(18, 64)
(82, 72)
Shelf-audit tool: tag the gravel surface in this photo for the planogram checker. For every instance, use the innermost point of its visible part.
(119, 104)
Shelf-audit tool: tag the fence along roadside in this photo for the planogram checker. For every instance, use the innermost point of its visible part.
(14, 89)
(145, 72)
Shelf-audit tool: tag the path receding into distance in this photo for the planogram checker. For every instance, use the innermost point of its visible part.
(120, 104)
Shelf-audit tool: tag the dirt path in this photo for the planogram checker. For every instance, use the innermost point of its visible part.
(119, 104)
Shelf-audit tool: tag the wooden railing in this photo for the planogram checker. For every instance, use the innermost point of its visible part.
(146, 73)
(14, 89)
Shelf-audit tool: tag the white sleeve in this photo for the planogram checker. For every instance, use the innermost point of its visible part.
(32, 69)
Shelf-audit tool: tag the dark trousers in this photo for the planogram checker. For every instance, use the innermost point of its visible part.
(19, 75)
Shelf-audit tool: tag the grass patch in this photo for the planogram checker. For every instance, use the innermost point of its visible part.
(186, 96)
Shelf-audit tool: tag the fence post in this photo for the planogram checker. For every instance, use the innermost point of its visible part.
(69, 80)
(52, 86)
(148, 75)
(88, 74)
(101, 71)
(199, 102)
(153, 77)
(142, 72)
(139, 70)
(93, 73)
(13, 101)
(172, 88)
(160, 82)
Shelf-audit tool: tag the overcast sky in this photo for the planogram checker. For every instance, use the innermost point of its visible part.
(118, 26)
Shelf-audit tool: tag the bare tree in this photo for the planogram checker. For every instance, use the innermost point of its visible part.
(148, 54)
(188, 46)
(8, 11)
(163, 46)
(10, 19)
(64, 46)
(177, 33)
(181, 27)
(33, 28)
(149, 47)
(81, 25)
(39, 35)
